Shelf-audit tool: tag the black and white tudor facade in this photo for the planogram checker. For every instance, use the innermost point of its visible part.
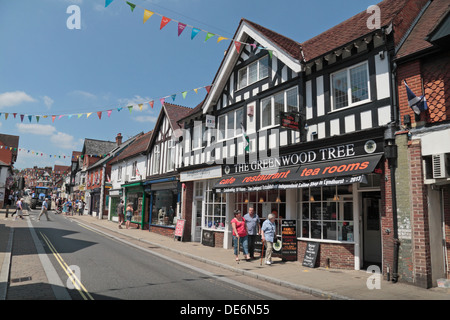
(325, 177)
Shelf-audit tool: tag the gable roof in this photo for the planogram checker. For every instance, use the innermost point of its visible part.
(396, 13)
(174, 113)
(139, 145)
(113, 152)
(93, 146)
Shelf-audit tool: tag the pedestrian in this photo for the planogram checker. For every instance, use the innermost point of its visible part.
(268, 236)
(44, 209)
(120, 208)
(80, 207)
(129, 215)
(254, 229)
(240, 238)
(65, 206)
(69, 204)
(19, 209)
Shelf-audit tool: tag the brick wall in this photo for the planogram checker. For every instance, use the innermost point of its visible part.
(339, 256)
(387, 238)
(420, 222)
(168, 232)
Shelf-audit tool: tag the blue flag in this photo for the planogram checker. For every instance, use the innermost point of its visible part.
(418, 104)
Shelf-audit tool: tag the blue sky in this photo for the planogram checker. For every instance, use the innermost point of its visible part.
(115, 60)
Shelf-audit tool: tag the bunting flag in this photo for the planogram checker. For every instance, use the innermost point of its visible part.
(221, 38)
(21, 117)
(195, 31)
(238, 46)
(132, 6)
(140, 106)
(53, 118)
(108, 2)
(147, 15)
(6, 116)
(209, 35)
(162, 101)
(130, 108)
(181, 27)
(109, 113)
(184, 93)
(173, 97)
(164, 22)
(151, 103)
(14, 114)
(99, 114)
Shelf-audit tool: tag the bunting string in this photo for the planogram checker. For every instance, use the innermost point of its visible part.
(183, 26)
(54, 156)
(99, 113)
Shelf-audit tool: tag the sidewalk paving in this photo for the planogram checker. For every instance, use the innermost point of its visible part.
(322, 282)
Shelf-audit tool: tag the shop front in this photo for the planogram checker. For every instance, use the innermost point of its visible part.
(114, 199)
(164, 205)
(332, 191)
(135, 197)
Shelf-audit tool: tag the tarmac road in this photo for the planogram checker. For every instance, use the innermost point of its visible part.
(106, 269)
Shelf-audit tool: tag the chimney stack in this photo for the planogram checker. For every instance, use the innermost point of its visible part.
(119, 139)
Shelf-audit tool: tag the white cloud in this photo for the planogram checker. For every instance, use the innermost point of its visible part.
(9, 99)
(39, 129)
(63, 140)
(48, 101)
(150, 119)
(84, 94)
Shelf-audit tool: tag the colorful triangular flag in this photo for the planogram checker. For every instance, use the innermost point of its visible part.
(132, 6)
(108, 2)
(181, 27)
(164, 22)
(147, 15)
(195, 31)
(109, 113)
(151, 103)
(209, 35)
(99, 113)
(130, 108)
(184, 94)
(237, 44)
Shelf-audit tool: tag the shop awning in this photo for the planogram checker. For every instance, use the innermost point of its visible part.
(330, 173)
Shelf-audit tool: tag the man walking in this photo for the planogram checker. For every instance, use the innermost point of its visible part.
(254, 229)
(44, 210)
(120, 214)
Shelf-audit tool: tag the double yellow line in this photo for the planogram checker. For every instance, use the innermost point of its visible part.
(72, 276)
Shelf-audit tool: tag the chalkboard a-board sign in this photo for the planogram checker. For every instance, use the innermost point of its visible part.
(208, 238)
(309, 260)
(289, 244)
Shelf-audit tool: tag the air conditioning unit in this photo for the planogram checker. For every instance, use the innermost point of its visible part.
(439, 163)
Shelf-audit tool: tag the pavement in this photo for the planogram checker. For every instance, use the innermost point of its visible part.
(333, 284)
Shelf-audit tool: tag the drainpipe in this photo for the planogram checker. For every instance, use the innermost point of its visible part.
(391, 154)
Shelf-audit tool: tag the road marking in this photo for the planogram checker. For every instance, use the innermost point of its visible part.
(72, 276)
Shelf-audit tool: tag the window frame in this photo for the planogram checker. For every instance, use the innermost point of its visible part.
(273, 109)
(259, 77)
(237, 128)
(349, 87)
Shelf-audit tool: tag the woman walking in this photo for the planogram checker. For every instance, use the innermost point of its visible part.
(240, 238)
(129, 215)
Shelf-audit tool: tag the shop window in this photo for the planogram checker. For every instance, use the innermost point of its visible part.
(135, 200)
(326, 213)
(215, 214)
(164, 207)
(263, 202)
